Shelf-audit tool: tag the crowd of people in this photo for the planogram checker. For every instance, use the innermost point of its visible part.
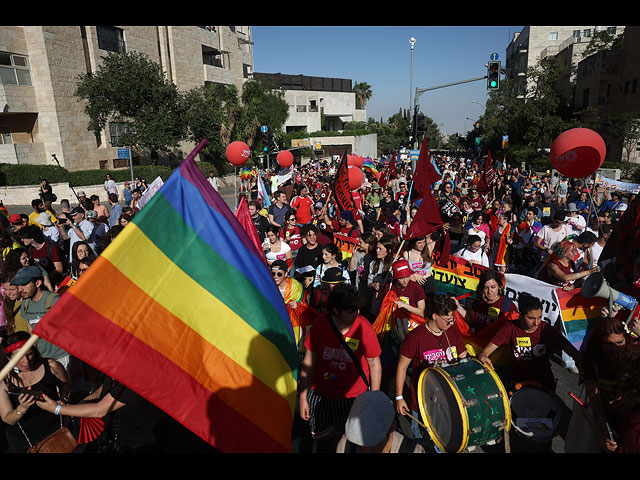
(338, 271)
(347, 263)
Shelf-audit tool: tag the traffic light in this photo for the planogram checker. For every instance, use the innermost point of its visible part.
(265, 142)
(493, 76)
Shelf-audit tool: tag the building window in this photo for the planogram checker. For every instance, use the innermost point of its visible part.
(14, 69)
(116, 130)
(611, 30)
(301, 108)
(111, 39)
(313, 106)
(247, 71)
(211, 56)
(576, 33)
(626, 87)
(553, 36)
(587, 32)
(634, 85)
(5, 136)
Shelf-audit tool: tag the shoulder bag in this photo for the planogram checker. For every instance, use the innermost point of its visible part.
(349, 351)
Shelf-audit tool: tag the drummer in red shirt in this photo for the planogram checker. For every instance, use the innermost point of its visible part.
(532, 342)
(434, 341)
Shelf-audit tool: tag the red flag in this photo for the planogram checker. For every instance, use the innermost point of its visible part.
(488, 177)
(425, 174)
(243, 216)
(385, 175)
(341, 189)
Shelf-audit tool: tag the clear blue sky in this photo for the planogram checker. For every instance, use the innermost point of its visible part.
(381, 56)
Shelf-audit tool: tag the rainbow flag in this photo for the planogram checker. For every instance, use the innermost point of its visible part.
(245, 173)
(181, 309)
(579, 314)
(368, 164)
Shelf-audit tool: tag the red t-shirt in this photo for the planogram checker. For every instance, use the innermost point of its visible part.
(335, 375)
(410, 294)
(531, 351)
(483, 314)
(292, 237)
(303, 209)
(43, 259)
(424, 348)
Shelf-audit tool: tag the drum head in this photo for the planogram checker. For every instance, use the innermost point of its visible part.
(440, 410)
(536, 413)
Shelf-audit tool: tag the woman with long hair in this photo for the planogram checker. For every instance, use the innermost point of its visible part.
(26, 423)
(331, 258)
(501, 240)
(418, 254)
(489, 303)
(380, 271)
(79, 252)
(276, 248)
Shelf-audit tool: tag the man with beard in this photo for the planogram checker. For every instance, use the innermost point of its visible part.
(38, 208)
(261, 223)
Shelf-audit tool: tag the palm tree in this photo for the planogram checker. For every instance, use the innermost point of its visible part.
(363, 93)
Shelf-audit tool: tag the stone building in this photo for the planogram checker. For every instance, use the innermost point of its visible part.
(39, 67)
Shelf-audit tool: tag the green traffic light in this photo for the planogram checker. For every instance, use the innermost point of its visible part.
(493, 83)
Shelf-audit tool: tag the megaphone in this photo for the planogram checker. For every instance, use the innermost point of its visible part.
(596, 286)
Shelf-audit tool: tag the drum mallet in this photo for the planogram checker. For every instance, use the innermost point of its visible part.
(417, 421)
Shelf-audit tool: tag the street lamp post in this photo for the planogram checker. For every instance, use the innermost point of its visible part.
(412, 42)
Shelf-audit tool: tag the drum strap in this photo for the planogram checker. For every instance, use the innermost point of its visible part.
(350, 352)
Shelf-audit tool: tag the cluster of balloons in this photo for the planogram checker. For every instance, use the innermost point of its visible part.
(238, 153)
(578, 152)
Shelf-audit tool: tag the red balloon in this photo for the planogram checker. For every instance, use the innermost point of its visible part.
(356, 161)
(285, 158)
(355, 177)
(578, 152)
(238, 153)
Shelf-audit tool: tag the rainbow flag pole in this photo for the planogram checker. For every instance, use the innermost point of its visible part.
(199, 327)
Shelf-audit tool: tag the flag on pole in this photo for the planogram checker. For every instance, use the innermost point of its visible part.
(341, 188)
(488, 177)
(385, 175)
(369, 165)
(181, 309)
(263, 192)
(244, 217)
(426, 174)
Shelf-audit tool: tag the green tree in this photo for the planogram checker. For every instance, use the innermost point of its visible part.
(262, 104)
(210, 112)
(131, 88)
(363, 93)
(602, 40)
(626, 128)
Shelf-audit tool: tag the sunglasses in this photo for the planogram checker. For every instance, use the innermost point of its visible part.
(448, 321)
(277, 274)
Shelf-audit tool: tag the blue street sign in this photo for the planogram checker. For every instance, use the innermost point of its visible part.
(264, 129)
(494, 57)
(123, 153)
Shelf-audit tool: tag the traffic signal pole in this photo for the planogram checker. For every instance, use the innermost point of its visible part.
(420, 91)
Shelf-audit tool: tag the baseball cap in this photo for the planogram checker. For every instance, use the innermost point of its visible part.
(27, 274)
(281, 264)
(370, 419)
(81, 193)
(15, 219)
(76, 211)
(401, 269)
(91, 214)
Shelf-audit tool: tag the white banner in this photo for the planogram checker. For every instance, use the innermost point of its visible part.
(618, 185)
(150, 192)
(515, 284)
(283, 178)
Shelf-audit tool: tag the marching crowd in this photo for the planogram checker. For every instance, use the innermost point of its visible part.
(338, 271)
(344, 266)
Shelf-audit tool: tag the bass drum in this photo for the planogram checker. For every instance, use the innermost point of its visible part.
(536, 415)
(464, 405)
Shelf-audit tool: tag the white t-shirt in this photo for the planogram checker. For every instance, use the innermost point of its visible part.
(110, 186)
(479, 256)
(550, 237)
(577, 223)
(281, 255)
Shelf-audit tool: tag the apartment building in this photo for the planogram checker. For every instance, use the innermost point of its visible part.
(535, 43)
(316, 103)
(39, 67)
